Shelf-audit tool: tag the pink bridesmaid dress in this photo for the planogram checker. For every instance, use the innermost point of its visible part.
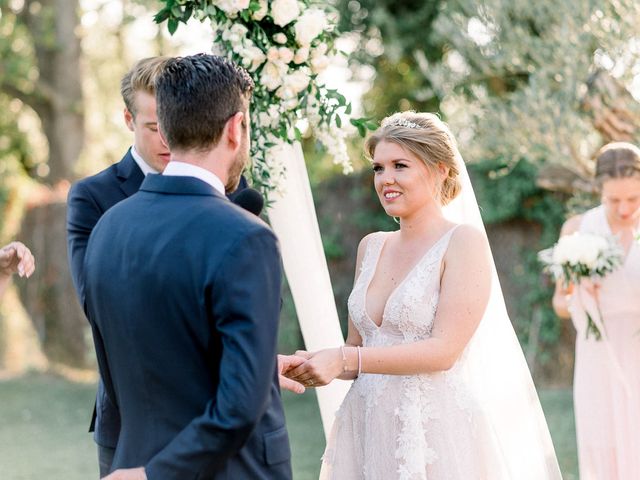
(607, 372)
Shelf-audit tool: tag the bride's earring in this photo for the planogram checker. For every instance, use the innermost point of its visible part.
(396, 219)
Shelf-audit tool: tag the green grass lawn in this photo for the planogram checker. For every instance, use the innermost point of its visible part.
(43, 430)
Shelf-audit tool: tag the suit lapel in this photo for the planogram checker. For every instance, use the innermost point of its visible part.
(129, 174)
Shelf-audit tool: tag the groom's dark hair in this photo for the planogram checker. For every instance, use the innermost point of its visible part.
(196, 95)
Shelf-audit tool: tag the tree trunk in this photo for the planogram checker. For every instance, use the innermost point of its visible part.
(58, 93)
(49, 296)
(57, 98)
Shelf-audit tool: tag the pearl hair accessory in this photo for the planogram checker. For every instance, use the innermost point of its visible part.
(401, 122)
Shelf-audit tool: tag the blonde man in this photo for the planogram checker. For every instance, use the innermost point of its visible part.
(91, 197)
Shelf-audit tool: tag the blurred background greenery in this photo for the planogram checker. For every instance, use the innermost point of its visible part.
(531, 90)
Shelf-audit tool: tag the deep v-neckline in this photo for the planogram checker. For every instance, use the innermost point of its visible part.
(402, 282)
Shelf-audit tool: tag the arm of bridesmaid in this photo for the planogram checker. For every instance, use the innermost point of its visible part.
(563, 292)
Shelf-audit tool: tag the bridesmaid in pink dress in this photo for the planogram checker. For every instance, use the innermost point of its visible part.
(607, 371)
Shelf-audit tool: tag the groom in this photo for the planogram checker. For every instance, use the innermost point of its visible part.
(183, 295)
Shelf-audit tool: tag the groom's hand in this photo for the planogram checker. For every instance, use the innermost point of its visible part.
(286, 363)
(320, 368)
(127, 474)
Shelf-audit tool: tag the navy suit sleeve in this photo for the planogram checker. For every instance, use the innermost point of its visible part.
(82, 215)
(245, 301)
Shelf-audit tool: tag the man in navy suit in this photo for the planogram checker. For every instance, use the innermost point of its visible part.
(90, 198)
(182, 290)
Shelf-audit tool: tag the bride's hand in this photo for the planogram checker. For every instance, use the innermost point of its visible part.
(320, 369)
(304, 354)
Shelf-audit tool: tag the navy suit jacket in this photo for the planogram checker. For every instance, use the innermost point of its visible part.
(88, 200)
(182, 291)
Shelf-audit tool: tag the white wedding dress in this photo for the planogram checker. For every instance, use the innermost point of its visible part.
(480, 420)
(404, 427)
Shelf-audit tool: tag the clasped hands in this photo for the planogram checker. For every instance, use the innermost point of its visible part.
(309, 369)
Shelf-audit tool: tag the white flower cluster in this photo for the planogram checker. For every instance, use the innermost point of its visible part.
(284, 65)
(583, 255)
(334, 140)
(580, 248)
(232, 7)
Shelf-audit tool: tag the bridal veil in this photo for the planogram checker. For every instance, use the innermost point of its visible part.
(514, 433)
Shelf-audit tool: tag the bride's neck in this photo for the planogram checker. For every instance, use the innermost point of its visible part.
(421, 223)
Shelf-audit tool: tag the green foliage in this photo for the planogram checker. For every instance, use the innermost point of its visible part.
(516, 75)
(16, 75)
(396, 39)
(502, 190)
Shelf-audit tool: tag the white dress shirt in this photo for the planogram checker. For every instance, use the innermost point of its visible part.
(182, 169)
(144, 166)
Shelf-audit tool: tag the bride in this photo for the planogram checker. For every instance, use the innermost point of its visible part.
(441, 387)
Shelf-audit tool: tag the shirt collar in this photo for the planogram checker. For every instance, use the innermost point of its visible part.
(182, 169)
(144, 166)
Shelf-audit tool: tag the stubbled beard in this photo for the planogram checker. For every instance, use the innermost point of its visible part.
(235, 172)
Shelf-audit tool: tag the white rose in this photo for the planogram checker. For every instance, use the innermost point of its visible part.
(273, 74)
(285, 92)
(310, 24)
(273, 55)
(261, 12)
(589, 256)
(273, 111)
(280, 38)
(319, 64)
(301, 56)
(252, 57)
(267, 121)
(286, 54)
(290, 104)
(236, 34)
(232, 7)
(298, 80)
(284, 12)
(320, 49)
(292, 85)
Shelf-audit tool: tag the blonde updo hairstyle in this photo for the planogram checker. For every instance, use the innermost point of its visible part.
(429, 139)
(617, 160)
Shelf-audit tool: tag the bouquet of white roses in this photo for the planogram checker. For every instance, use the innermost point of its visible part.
(583, 256)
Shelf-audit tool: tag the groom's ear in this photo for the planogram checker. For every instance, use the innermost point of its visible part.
(235, 130)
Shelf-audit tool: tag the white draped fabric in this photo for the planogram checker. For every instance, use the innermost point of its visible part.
(293, 218)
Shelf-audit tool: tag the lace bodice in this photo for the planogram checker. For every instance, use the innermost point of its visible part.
(410, 310)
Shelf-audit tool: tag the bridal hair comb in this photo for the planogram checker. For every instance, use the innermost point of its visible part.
(401, 122)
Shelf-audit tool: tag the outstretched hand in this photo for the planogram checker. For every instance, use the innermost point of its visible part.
(16, 258)
(320, 368)
(285, 364)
